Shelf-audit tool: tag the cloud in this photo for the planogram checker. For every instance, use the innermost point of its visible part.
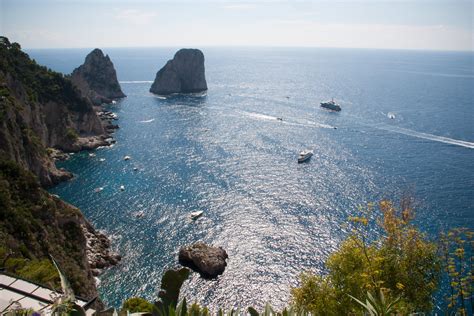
(239, 6)
(136, 17)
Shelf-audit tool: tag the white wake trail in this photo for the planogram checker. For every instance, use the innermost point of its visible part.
(147, 121)
(432, 137)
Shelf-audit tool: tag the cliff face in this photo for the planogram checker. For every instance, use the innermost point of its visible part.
(39, 108)
(34, 225)
(97, 79)
(185, 73)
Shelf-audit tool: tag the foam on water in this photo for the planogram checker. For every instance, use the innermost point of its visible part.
(435, 138)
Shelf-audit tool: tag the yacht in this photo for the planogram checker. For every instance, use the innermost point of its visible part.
(305, 155)
(331, 105)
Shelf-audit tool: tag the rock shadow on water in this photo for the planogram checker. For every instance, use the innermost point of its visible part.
(189, 99)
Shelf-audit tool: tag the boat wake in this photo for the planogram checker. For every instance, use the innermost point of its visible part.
(431, 137)
(305, 123)
(147, 121)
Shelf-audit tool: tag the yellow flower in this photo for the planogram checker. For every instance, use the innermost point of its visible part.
(400, 286)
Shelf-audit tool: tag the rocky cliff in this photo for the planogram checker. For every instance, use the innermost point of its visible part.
(97, 79)
(39, 109)
(35, 224)
(183, 74)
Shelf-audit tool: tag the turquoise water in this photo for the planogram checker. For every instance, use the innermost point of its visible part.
(226, 154)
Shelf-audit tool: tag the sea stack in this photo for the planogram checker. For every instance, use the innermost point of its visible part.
(97, 79)
(183, 74)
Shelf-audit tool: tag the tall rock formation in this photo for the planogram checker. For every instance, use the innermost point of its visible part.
(39, 109)
(97, 78)
(183, 74)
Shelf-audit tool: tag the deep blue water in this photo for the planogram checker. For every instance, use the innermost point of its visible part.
(227, 154)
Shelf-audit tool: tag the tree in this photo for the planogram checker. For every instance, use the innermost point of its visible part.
(401, 263)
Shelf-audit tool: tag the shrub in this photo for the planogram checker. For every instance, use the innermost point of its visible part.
(71, 134)
(137, 305)
(402, 262)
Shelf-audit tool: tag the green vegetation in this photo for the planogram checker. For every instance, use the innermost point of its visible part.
(41, 84)
(34, 225)
(137, 304)
(71, 134)
(402, 264)
(457, 252)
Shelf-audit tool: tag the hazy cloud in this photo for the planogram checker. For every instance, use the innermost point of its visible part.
(136, 17)
(239, 6)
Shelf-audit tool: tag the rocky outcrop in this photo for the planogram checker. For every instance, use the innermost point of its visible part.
(97, 79)
(99, 255)
(208, 261)
(35, 224)
(183, 74)
(41, 109)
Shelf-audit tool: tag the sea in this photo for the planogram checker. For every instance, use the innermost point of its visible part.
(406, 129)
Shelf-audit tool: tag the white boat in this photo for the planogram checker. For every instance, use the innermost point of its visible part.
(91, 155)
(127, 158)
(135, 169)
(195, 215)
(102, 159)
(97, 190)
(122, 188)
(304, 155)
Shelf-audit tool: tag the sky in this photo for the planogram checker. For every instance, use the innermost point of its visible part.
(383, 24)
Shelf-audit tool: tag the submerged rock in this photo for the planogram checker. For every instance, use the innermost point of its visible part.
(208, 261)
(97, 79)
(183, 74)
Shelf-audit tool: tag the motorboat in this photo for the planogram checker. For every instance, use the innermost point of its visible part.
(97, 190)
(122, 188)
(305, 155)
(195, 215)
(127, 158)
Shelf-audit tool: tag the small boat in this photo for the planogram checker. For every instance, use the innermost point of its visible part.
(97, 190)
(102, 159)
(139, 214)
(195, 215)
(91, 155)
(127, 158)
(122, 188)
(279, 119)
(135, 169)
(391, 115)
(305, 155)
(331, 105)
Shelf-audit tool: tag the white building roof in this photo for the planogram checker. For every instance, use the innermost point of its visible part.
(29, 295)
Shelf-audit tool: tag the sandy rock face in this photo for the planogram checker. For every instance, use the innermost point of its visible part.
(185, 73)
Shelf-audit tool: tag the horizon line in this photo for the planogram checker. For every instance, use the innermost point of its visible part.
(258, 46)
